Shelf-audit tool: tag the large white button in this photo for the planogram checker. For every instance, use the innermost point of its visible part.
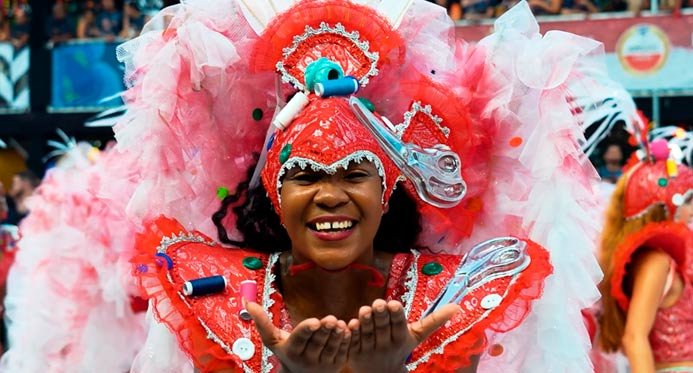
(678, 199)
(491, 301)
(243, 348)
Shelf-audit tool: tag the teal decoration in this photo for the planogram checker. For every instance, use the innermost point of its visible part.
(367, 103)
(257, 114)
(662, 182)
(321, 70)
(222, 192)
(252, 262)
(285, 153)
(431, 268)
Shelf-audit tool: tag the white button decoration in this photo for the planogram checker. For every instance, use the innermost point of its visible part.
(243, 348)
(678, 199)
(491, 301)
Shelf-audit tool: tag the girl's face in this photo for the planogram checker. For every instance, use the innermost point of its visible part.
(332, 219)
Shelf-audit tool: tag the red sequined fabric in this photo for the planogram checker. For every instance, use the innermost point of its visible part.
(207, 327)
(671, 337)
(649, 184)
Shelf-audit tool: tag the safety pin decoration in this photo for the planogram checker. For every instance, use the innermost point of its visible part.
(435, 172)
(487, 261)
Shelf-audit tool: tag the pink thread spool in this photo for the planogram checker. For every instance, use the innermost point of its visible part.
(249, 293)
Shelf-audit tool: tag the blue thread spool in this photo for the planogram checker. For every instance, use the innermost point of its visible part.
(345, 86)
(204, 286)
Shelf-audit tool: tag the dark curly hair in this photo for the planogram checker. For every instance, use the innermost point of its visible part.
(262, 230)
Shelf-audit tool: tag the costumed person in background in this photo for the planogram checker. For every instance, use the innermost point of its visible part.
(312, 277)
(9, 234)
(69, 305)
(647, 258)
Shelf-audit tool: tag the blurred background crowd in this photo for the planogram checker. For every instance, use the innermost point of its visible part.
(484, 9)
(78, 19)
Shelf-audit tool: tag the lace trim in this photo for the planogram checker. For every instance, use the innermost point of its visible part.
(411, 283)
(167, 242)
(268, 302)
(416, 107)
(357, 156)
(441, 348)
(324, 28)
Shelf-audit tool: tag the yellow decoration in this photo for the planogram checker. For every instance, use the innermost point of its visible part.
(672, 168)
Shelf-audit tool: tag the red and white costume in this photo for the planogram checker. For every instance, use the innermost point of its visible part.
(650, 184)
(202, 94)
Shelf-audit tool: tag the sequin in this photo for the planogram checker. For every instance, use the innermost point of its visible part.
(515, 141)
(671, 337)
(496, 350)
(431, 268)
(257, 114)
(222, 192)
(285, 153)
(252, 262)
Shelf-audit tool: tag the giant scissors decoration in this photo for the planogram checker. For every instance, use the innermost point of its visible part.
(435, 172)
(489, 260)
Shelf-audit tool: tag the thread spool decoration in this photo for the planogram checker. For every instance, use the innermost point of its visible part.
(248, 292)
(290, 111)
(345, 86)
(672, 168)
(321, 70)
(204, 286)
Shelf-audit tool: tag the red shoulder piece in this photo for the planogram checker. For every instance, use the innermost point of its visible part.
(673, 238)
(499, 304)
(207, 328)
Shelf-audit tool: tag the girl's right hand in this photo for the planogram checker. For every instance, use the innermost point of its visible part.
(313, 346)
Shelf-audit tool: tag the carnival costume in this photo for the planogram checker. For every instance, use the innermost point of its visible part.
(70, 302)
(487, 143)
(654, 178)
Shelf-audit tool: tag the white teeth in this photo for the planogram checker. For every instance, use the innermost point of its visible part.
(334, 225)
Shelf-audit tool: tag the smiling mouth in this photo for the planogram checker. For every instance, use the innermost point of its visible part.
(331, 227)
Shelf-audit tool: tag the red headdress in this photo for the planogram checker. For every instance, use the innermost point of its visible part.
(325, 136)
(650, 184)
(655, 177)
(659, 178)
(313, 46)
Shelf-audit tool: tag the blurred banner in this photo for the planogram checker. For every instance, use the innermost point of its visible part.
(14, 78)
(643, 53)
(84, 73)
